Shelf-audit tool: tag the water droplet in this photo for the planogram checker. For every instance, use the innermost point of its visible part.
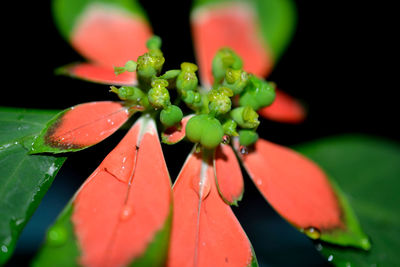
(365, 244)
(243, 150)
(259, 182)
(319, 247)
(57, 235)
(348, 264)
(201, 186)
(312, 232)
(126, 212)
(330, 258)
(226, 139)
(4, 249)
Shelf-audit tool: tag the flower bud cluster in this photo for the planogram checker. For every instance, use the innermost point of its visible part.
(227, 109)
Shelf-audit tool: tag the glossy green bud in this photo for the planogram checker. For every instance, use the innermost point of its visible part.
(235, 80)
(158, 95)
(191, 97)
(130, 66)
(247, 137)
(219, 100)
(171, 74)
(245, 117)
(129, 93)
(229, 127)
(224, 59)
(150, 63)
(204, 129)
(187, 79)
(171, 115)
(257, 94)
(154, 42)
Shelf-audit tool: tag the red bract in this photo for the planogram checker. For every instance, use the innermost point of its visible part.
(122, 213)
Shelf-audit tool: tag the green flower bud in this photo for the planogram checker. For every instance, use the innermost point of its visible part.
(236, 80)
(187, 79)
(158, 95)
(247, 137)
(129, 93)
(219, 101)
(245, 117)
(191, 97)
(150, 63)
(224, 59)
(171, 115)
(229, 127)
(154, 42)
(171, 74)
(129, 66)
(204, 129)
(257, 94)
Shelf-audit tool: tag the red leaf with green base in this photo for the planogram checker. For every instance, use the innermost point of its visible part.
(106, 32)
(258, 31)
(80, 126)
(302, 194)
(205, 231)
(122, 213)
(97, 74)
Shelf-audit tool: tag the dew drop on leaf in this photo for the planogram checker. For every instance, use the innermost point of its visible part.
(312, 232)
(126, 212)
(57, 235)
(243, 150)
(226, 139)
(201, 186)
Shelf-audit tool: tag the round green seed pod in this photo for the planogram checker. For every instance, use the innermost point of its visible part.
(171, 115)
(245, 117)
(194, 128)
(206, 130)
(247, 137)
(212, 133)
(257, 94)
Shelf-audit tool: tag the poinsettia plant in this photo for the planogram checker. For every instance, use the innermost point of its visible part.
(128, 212)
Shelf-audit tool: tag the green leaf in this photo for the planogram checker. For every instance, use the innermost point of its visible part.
(277, 20)
(278, 23)
(67, 12)
(80, 127)
(368, 171)
(60, 248)
(24, 178)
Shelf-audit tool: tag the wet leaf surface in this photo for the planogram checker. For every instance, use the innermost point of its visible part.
(24, 178)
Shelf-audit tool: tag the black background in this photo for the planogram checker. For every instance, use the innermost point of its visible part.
(342, 64)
